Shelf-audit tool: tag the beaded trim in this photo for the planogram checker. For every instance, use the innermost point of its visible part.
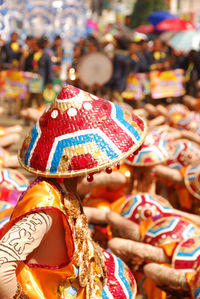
(20, 294)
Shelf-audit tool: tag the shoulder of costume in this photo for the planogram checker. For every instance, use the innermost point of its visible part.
(41, 195)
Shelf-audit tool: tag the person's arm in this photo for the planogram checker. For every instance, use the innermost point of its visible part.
(16, 245)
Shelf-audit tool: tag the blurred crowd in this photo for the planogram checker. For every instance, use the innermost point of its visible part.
(133, 56)
(127, 55)
(37, 55)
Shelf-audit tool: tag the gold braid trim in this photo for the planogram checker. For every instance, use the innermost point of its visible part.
(20, 294)
(91, 269)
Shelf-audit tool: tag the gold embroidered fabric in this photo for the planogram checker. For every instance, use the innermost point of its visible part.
(88, 255)
(20, 294)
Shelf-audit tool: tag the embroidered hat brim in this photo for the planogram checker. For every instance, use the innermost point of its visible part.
(80, 134)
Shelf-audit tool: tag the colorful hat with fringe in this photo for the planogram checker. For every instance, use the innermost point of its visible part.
(153, 151)
(79, 134)
(192, 179)
(183, 153)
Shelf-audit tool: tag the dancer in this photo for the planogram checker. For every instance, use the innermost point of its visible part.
(46, 250)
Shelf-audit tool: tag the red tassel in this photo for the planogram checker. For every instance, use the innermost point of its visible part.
(59, 180)
(90, 177)
(108, 170)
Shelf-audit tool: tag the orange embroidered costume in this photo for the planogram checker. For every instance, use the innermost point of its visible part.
(79, 134)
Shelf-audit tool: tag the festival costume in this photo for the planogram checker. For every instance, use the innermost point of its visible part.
(154, 151)
(41, 196)
(182, 154)
(161, 228)
(69, 141)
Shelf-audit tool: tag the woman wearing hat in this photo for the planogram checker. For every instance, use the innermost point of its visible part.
(45, 249)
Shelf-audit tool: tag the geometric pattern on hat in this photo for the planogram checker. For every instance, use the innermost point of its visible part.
(79, 134)
(139, 207)
(192, 179)
(13, 180)
(176, 112)
(181, 117)
(120, 281)
(5, 212)
(153, 151)
(182, 153)
(187, 255)
(170, 229)
(191, 122)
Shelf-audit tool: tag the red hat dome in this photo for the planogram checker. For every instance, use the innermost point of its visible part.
(80, 133)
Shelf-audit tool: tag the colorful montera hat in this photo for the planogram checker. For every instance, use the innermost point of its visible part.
(79, 134)
(192, 179)
(187, 255)
(153, 151)
(142, 206)
(183, 153)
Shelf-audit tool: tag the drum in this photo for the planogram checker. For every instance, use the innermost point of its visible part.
(95, 68)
